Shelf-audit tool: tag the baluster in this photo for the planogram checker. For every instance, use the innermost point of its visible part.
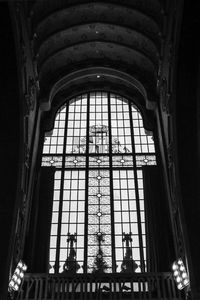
(81, 288)
(28, 287)
(121, 283)
(85, 287)
(158, 286)
(73, 289)
(67, 288)
(114, 289)
(21, 292)
(46, 279)
(149, 287)
(40, 288)
(144, 288)
(154, 287)
(110, 288)
(139, 288)
(20, 295)
(36, 289)
(62, 288)
(168, 282)
(174, 293)
(99, 288)
(163, 287)
(180, 296)
(53, 288)
(78, 285)
(132, 288)
(57, 287)
(90, 289)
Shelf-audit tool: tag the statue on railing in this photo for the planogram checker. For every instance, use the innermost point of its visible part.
(128, 264)
(71, 265)
(100, 265)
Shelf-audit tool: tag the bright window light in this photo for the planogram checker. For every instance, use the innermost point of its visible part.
(100, 140)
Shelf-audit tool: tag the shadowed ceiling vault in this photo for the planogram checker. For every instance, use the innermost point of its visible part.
(74, 36)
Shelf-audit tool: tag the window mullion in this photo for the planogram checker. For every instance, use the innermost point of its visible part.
(61, 194)
(86, 184)
(141, 249)
(111, 189)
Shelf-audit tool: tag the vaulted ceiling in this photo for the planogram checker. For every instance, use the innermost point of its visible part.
(119, 41)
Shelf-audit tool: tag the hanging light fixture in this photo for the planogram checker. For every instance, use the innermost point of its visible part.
(17, 277)
(180, 275)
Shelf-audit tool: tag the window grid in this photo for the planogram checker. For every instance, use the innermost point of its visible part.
(96, 123)
(120, 124)
(76, 128)
(54, 140)
(143, 142)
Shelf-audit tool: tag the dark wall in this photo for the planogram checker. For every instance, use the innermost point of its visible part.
(9, 135)
(188, 122)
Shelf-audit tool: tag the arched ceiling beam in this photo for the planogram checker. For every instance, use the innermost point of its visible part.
(97, 32)
(100, 12)
(41, 9)
(99, 48)
(98, 77)
(96, 53)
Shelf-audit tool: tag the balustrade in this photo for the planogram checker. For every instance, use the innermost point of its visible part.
(106, 286)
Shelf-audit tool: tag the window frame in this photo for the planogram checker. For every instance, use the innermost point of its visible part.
(110, 168)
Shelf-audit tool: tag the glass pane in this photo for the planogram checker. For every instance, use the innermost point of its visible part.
(53, 141)
(96, 182)
(76, 125)
(120, 123)
(99, 221)
(98, 126)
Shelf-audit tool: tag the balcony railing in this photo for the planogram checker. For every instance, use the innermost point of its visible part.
(116, 286)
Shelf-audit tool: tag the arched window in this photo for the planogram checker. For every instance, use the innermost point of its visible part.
(98, 147)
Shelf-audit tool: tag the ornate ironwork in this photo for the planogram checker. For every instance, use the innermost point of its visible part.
(71, 264)
(152, 286)
(128, 264)
(100, 265)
